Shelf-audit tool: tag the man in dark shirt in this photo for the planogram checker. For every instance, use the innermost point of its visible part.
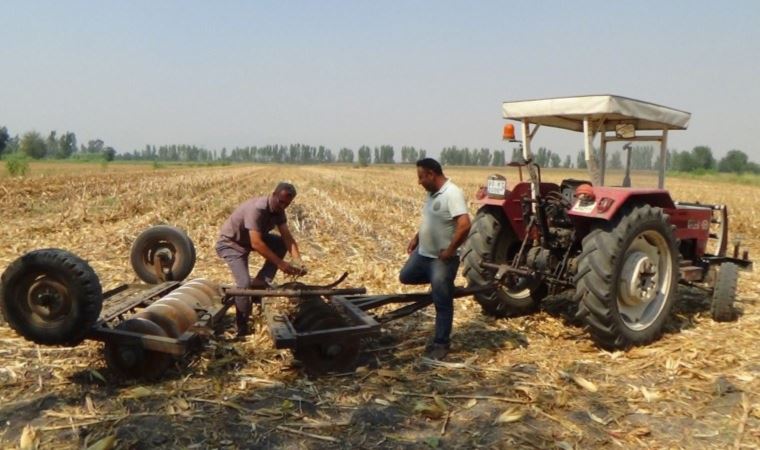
(248, 228)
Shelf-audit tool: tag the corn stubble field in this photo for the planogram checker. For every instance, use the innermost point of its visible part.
(529, 382)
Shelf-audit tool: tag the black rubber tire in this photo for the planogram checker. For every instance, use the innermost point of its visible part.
(724, 293)
(171, 238)
(80, 297)
(491, 239)
(599, 269)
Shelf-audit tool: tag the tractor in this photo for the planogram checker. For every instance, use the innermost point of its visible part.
(616, 253)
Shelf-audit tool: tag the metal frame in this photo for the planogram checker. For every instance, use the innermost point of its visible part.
(355, 308)
(597, 169)
(127, 297)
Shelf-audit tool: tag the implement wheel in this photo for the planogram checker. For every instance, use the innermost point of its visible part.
(130, 359)
(162, 253)
(492, 240)
(325, 357)
(724, 293)
(627, 277)
(51, 297)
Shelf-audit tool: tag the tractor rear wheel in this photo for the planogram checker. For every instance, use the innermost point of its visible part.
(627, 277)
(162, 253)
(51, 297)
(491, 239)
(724, 293)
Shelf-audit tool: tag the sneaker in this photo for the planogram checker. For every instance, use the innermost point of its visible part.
(437, 351)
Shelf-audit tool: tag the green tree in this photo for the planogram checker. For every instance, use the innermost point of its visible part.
(32, 145)
(641, 157)
(498, 158)
(484, 157)
(67, 145)
(568, 162)
(543, 157)
(703, 158)
(516, 155)
(616, 162)
(346, 155)
(4, 138)
(386, 154)
(683, 161)
(52, 145)
(555, 160)
(581, 160)
(365, 155)
(734, 161)
(95, 146)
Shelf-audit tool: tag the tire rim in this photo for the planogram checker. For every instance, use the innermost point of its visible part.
(645, 280)
(516, 289)
(165, 252)
(48, 300)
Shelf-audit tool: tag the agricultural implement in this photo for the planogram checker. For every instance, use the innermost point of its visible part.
(617, 253)
(53, 297)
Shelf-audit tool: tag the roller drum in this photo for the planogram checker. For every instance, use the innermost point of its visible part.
(210, 284)
(133, 361)
(189, 314)
(188, 299)
(201, 296)
(165, 317)
(183, 322)
(212, 293)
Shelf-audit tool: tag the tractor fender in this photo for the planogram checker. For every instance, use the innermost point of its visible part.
(602, 209)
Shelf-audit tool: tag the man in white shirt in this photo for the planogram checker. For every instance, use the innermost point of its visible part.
(433, 251)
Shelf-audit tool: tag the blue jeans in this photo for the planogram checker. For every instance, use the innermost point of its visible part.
(440, 274)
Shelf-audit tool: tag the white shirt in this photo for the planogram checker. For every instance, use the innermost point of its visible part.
(438, 224)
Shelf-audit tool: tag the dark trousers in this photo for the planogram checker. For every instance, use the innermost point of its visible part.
(237, 261)
(440, 274)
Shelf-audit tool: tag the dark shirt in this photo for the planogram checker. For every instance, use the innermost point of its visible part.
(253, 214)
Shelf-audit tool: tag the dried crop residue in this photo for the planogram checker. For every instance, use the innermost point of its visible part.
(530, 382)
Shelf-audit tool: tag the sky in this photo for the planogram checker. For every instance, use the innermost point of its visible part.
(348, 73)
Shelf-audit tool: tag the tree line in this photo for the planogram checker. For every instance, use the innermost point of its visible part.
(65, 146)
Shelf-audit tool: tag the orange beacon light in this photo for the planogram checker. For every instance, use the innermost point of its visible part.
(509, 132)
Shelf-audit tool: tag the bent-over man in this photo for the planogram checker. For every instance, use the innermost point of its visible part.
(434, 249)
(248, 229)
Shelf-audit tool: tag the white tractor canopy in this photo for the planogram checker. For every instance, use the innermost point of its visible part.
(592, 114)
(570, 112)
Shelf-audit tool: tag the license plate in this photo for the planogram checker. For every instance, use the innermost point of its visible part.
(496, 187)
(584, 207)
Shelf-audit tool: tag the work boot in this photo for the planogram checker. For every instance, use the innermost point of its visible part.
(242, 330)
(437, 351)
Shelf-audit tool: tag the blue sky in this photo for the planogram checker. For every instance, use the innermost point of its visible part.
(428, 74)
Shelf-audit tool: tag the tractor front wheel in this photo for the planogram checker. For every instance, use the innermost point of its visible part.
(492, 240)
(627, 277)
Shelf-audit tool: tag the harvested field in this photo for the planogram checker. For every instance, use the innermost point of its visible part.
(530, 382)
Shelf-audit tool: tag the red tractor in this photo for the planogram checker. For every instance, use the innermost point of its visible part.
(618, 251)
